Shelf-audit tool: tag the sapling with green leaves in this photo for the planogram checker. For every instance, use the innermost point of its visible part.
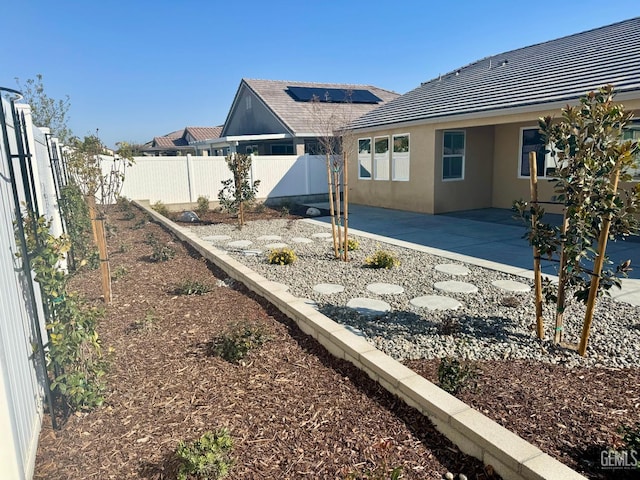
(239, 192)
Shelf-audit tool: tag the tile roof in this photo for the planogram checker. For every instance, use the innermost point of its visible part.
(557, 70)
(299, 117)
(204, 133)
(177, 139)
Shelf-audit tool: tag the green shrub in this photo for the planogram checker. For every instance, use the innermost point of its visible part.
(123, 203)
(192, 287)
(162, 253)
(382, 259)
(141, 222)
(352, 244)
(207, 458)
(281, 256)
(454, 375)
(203, 205)
(129, 215)
(234, 345)
(284, 210)
(161, 208)
(145, 324)
(118, 273)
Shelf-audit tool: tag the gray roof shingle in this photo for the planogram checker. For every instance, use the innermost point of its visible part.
(299, 117)
(557, 70)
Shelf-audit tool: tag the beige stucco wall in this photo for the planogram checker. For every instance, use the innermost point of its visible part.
(491, 178)
(414, 195)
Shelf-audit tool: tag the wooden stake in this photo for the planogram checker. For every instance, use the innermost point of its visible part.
(533, 170)
(331, 211)
(91, 203)
(336, 182)
(558, 333)
(105, 271)
(597, 269)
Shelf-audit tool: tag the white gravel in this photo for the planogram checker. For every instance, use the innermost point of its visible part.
(483, 328)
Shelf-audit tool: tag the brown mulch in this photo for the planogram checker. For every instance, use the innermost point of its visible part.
(292, 409)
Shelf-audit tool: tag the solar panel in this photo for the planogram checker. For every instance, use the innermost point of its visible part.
(332, 95)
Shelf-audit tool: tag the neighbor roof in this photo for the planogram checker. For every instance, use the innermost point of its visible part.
(299, 117)
(557, 70)
(203, 133)
(177, 140)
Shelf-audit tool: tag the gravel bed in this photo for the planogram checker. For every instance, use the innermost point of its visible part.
(492, 324)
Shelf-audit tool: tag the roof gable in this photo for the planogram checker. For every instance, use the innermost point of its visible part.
(557, 70)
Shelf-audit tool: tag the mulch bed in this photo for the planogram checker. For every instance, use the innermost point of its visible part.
(292, 409)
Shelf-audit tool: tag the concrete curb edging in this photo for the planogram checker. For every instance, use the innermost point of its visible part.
(474, 433)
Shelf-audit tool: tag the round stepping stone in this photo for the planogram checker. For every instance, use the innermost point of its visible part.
(369, 306)
(251, 253)
(269, 238)
(511, 286)
(328, 288)
(301, 240)
(385, 288)
(276, 245)
(322, 235)
(454, 286)
(453, 269)
(239, 244)
(216, 238)
(435, 302)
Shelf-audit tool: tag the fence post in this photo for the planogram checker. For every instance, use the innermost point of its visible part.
(307, 183)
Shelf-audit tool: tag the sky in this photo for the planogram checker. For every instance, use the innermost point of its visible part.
(138, 69)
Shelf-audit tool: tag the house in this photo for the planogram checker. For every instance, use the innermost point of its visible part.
(273, 117)
(461, 141)
(181, 142)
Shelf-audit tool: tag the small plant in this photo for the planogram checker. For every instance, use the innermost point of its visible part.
(238, 193)
(141, 223)
(150, 238)
(282, 256)
(123, 203)
(449, 326)
(93, 260)
(124, 247)
(234, 345)
(118, 273)
(162, 253)
(192, 287)
(161, 208)
(202, 205)
(382, 471)
(455, 375)
(207, 458)
(129, 215)
(382, 259)
(147, 323)
(284, 210)
(352, 244)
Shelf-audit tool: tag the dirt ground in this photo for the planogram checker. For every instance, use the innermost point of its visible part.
(293, 410)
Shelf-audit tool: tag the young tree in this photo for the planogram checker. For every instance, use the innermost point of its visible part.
(238, 192)
(47, 111)
(592, 159)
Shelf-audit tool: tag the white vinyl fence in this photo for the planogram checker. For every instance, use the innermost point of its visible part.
(21, 386)
(182, 179)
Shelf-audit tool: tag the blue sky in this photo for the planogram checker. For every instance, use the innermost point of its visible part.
(138, 69)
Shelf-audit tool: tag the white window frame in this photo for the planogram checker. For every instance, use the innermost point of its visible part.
(464, 154)
(399, 156)
(368, 157)
(634, 127)
(549, 160)
(380, 160)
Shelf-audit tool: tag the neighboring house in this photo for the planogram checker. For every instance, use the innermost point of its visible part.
(181, 142)
(461, 141)
(272, 117)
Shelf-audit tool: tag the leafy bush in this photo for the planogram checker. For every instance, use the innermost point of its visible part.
(207, 458)
(352, 244)
(118, 273)
(454, 375)
(161, 208)
(162, 253)
(145, 324)
(123, 203)
(75, 212)
(192, 287)
(282, 256)
(234, 345)
(382, 259)
(203, 205)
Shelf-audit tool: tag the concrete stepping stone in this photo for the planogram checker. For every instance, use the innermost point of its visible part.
(269, 238)
(435, 302)
(239, 244)
(216, 238)
(385, 288)
(251, 253)
(511, 286)
(454, 286)
(369, 306)
(322, 235)
(276, 245)
(453, 269)
(301, 240)
(328, 288)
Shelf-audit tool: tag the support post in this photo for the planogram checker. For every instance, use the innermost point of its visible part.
(105, 271)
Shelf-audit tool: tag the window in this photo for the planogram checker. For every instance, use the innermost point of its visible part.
(400, 159)
(381, 158)
(247, 102)
(531, 141)
(632, 132)
(282, 149)
(252, 149)
(364, 158)
(453, 155)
